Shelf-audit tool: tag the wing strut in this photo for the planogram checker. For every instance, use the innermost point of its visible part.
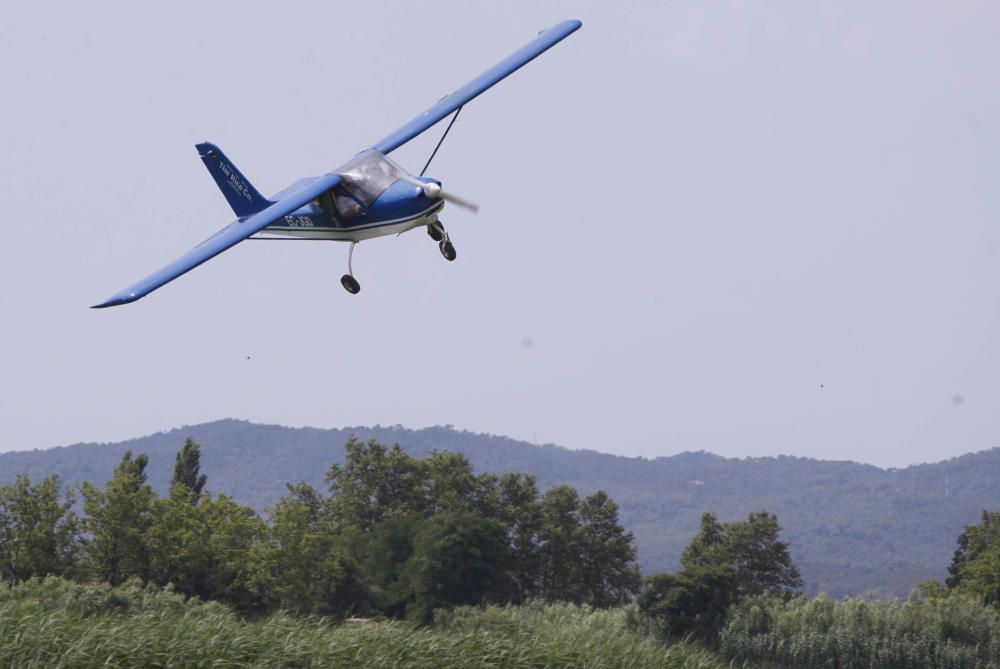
(440, 141)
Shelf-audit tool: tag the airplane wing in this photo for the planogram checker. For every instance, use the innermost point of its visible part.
(226, 238)
(446, 105)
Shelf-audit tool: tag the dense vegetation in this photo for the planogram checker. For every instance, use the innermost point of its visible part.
(59, 623)
(736, 593)
(452, 567)
(940, 632)
(127, 582)
(723, 565)
(852, 528)
(975, 567)
(397, 536)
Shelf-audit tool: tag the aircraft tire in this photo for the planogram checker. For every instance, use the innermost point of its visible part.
(447, 250)
(350, 284)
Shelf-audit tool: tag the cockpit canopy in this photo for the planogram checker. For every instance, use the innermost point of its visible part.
(363, 178)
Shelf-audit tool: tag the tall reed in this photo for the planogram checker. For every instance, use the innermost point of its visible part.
(815, 633)
(57, 623)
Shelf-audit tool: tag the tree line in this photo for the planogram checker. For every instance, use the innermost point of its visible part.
(398, 536)
(394, 535)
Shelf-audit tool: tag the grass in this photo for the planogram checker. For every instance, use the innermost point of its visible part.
(56, 623)
(947, 632)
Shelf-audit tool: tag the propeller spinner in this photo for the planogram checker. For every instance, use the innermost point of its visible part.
(433, 190)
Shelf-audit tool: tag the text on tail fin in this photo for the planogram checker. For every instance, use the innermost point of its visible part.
(237, 189)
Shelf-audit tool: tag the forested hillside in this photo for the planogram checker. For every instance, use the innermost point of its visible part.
(852, 528)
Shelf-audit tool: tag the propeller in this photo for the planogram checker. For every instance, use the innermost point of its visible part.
(433, 190)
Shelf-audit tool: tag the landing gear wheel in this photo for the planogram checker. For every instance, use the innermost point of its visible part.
(447, 250)
(350, 284)
(348, 281)
(436, 231)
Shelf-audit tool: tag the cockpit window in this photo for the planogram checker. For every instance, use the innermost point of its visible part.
(347, 206)
(366, 176)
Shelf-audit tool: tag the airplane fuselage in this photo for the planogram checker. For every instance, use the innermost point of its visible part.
(313, 222)
(371, 201)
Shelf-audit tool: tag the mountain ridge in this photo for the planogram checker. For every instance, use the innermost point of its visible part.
(699, 453)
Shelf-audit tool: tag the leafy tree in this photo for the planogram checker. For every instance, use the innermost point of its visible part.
(561, 549)
(187, 470)
(723, 564)
(586, 555)
(233, 532)
(178, 543)
(960, 558)
(930, 589)
(135, 468)
(39, 533)
(118, 518)
(385, 552)
(609, 572)
(458, 558)
(204, 549)
(375, 482)
(693, 602)
(201, 545)
(301, 567)
(518, 510)
(975, 568)
(760, 561)
(416, 563)
(708, 545)
(452, 487)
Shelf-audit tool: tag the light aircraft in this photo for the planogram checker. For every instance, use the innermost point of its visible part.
(368, 196)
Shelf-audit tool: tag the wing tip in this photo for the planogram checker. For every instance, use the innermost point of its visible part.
(115, 301)
(569, 25)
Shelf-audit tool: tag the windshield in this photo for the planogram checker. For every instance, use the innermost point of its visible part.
(368, 174)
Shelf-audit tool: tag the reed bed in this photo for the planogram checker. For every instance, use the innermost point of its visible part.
(951, 632)
(55, 623)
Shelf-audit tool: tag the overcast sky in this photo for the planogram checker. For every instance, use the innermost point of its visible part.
(748, 228)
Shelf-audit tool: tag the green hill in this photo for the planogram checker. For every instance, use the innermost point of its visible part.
(853, 528)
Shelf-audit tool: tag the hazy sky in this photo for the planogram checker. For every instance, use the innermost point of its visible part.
(749, 228)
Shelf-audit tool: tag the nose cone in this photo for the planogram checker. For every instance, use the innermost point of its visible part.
(431, 188)
(404, 199)
(433, 182)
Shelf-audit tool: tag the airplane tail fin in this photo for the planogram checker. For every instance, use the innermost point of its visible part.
(240, 193)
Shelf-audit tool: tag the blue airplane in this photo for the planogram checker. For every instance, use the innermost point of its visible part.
(368, 196)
